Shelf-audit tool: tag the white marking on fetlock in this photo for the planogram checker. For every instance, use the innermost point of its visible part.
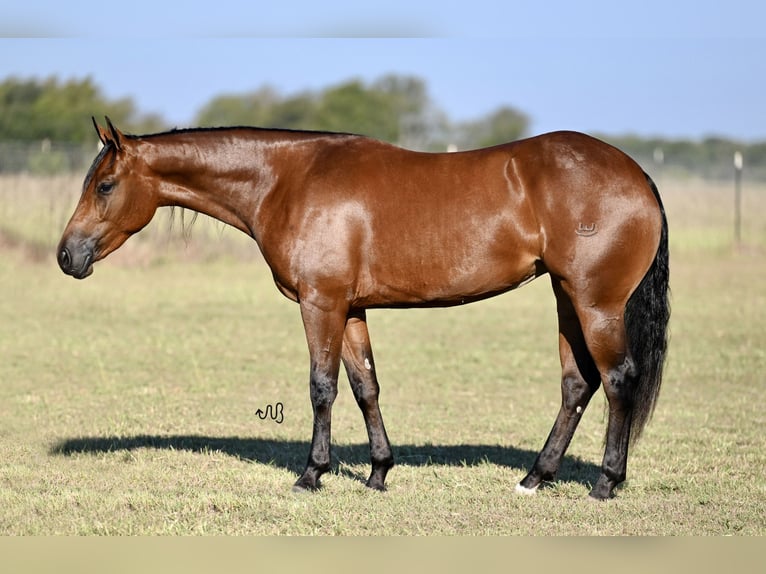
(526, 491)
(367, 364)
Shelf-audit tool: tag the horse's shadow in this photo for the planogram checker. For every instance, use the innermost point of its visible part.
(291, 455)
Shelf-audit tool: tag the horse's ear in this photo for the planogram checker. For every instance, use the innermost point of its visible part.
(116, 135)
(103, 135)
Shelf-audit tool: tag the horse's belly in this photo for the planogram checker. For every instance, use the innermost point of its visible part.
(445, 279)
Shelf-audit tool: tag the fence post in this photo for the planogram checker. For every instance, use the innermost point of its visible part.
(738, 165)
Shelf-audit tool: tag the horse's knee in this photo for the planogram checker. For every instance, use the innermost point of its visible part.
(366, 390)
(323, 391)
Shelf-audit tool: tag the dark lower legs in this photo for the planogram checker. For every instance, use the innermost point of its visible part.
(324, 323)
(324, 389)
(580, 379)
(360, 366)
(332, 336)
(618, 388)
(576, 394)
(593, 350)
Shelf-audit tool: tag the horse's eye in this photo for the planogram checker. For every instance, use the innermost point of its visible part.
(105, 187)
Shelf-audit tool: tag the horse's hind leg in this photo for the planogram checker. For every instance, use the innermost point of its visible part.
(357, 358)
(579, 380)
(604, 330)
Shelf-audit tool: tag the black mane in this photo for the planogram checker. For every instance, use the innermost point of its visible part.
(192, 130)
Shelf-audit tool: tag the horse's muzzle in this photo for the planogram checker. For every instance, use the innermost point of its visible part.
(75, 258)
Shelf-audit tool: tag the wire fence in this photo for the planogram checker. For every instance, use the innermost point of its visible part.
(45, 157)
(48, 157)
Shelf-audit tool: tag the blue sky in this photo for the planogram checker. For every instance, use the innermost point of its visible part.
(674, 69)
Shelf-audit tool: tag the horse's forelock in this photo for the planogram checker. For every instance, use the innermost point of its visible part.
(96, 162)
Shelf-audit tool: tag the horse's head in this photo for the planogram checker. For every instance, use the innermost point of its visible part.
(117, 201)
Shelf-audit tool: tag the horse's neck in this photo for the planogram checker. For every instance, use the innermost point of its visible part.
(225, 178)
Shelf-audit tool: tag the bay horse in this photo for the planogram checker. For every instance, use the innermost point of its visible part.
(347, 223)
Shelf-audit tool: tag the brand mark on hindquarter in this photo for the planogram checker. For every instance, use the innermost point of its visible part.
(586, 230)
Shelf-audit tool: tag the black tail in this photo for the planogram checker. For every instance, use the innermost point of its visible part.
(646, 321)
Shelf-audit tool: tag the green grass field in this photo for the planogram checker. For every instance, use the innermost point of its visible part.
(129, 399)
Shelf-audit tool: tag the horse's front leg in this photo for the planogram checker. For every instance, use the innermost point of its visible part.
(323, 322)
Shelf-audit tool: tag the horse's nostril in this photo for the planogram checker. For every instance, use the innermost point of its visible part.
(64, 258)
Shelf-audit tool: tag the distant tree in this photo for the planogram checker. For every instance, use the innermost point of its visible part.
(710, 158)
(352, 107)
(393, 108)
(406, 94)
(756, 154)
(251, 109)
(264, 108)
(502, 125)
(421, 125)
(295, 112)
(33, 110)
(146, 124)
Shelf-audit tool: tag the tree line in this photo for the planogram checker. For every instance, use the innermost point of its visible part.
(394, 108)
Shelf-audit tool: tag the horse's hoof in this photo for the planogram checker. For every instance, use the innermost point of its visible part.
(376, 486)
(526, 491)
(599, 497)
(603, 489)
(300, 489)
(306, 487)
